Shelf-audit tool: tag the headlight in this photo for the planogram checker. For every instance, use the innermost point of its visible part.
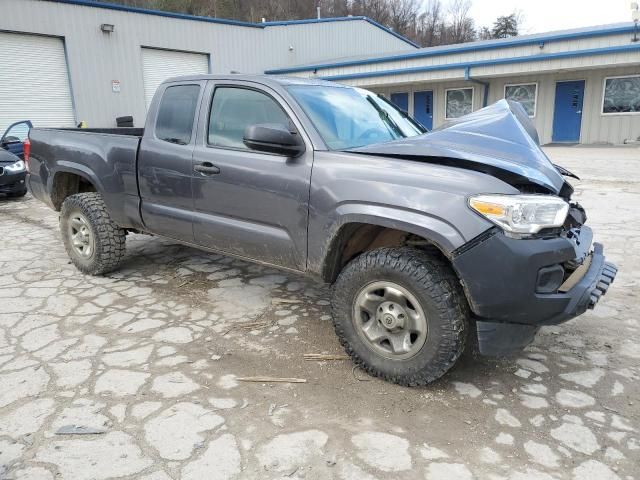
(15, 167)
(521, 213)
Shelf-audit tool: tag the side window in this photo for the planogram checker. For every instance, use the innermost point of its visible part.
(234, 109)
(176, 114)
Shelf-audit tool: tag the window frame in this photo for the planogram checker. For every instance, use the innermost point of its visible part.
(217, 86)
(446, 90)
(535, 98)
(194, 126)
(604, 87)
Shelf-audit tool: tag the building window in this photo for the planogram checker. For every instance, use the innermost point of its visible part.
(525, 94)
(459, 102)
(621, 95)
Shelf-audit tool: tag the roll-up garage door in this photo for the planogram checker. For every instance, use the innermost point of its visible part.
(158, 65)
(34, 82)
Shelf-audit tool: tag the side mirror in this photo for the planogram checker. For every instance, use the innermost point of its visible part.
(273, 138)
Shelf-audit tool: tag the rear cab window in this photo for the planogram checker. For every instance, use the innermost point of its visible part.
(176, 114)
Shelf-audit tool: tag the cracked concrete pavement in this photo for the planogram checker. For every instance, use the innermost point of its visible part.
(147, 358)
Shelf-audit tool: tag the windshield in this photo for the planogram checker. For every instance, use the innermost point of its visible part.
(353, 117)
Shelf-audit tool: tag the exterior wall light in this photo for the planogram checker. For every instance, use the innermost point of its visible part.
(107, 28)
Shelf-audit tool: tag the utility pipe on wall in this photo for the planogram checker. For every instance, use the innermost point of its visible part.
(485, 96)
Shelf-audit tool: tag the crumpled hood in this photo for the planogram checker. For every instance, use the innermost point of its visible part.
(499, 136)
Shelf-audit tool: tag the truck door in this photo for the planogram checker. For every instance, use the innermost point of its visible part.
(164, 160)
(249, 203)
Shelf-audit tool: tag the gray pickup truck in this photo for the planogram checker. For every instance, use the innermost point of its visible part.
(432, 240)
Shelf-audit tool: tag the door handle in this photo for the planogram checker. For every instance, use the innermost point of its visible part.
(206, 168)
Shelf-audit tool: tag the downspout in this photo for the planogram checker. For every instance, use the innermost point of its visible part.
(467, 77)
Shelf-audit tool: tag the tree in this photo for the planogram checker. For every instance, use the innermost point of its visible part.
(402, 15)
(461, 26)
(334, 8)
(430, 24)
(484, 34)
(505, 26)
(426, 22)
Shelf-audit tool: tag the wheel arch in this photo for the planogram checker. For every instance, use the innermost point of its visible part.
(69, 180)
(356, 233)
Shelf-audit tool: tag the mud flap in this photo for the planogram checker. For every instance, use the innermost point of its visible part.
(504, 339)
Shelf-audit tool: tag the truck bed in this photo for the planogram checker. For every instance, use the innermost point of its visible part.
(106, 157)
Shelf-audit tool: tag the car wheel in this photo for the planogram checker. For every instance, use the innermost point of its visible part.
(95, 244)
(401, 315)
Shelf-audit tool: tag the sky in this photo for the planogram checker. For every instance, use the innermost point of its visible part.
(549, 15)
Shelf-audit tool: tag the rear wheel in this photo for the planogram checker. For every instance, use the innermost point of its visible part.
(401, 315)
(95, 244)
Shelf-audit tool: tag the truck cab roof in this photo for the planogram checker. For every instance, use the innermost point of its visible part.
(280, 80)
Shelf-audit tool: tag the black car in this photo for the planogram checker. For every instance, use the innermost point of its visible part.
(12, 175)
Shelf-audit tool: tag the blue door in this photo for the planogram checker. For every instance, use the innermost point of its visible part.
(401, 100)
(567, 115)
(423, 108)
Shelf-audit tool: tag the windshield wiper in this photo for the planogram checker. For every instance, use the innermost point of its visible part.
(386, 118)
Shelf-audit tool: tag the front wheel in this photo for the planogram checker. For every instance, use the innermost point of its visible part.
(401, 315)
(94, 242)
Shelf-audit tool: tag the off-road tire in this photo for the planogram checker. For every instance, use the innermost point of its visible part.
(437, 289)
(110, 239)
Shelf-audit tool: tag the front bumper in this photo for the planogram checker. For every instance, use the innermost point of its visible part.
(501, 281)
(12, 182)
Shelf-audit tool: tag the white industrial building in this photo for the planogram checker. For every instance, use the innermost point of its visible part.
(75, 60)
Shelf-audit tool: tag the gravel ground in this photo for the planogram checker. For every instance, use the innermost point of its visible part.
(145, 362)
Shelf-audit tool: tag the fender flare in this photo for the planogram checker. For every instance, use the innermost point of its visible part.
(65, 166)
(438, 230)
(434, 229)
(75, 169)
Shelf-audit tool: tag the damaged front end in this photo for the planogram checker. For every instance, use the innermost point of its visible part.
(538, 265)
(516, 285)
(589, 257)
(498, 140)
